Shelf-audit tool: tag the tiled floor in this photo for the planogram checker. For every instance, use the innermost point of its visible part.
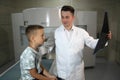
(103, 71)
(14, 72)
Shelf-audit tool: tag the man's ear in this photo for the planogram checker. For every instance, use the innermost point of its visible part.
(73, 17)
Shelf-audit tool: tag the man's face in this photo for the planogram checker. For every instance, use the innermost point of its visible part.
(67, 18)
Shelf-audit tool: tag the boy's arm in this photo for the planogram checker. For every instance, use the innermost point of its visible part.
(46, 73)
(36, 75)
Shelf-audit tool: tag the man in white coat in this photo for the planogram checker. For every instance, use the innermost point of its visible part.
(70, 41)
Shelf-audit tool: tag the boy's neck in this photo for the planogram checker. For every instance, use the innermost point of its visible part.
(34, 47)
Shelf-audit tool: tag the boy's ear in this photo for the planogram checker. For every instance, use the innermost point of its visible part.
(32, 38)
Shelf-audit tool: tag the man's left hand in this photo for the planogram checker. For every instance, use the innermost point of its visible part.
(109, 35)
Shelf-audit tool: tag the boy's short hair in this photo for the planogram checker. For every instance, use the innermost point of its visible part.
(31, 29)
(68, 8)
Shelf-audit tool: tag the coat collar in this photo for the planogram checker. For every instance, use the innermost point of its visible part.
(63, 28)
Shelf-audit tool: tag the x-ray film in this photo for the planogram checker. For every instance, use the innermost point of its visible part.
(103, 36)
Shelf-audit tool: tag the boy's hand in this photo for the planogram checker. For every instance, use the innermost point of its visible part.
(53, 78)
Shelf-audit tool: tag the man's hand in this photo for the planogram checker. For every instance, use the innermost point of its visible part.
(109, 35)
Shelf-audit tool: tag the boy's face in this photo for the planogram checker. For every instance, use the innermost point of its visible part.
(67, 18)
(39, 37)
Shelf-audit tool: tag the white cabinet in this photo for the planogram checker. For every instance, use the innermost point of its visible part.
(17, 22)
(54, 17)
(88, 18)
(42, 16)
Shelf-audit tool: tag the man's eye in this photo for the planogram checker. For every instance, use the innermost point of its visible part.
(62, 17)
(67, 17)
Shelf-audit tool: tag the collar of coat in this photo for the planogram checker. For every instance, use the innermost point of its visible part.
(63, 28)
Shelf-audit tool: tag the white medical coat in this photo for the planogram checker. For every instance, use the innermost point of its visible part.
(69, 53)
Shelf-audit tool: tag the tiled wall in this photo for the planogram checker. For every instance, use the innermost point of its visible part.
(118, 33)
(6, 40)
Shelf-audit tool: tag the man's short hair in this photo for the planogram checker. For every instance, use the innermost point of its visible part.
(30, 30)
(68, 8)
